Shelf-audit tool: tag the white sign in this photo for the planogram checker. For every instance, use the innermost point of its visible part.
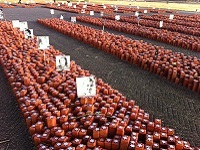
(145, 11)
(138, 7)
(117, 17)
(91, 13)
(63, 3)
(1, 14)
(28, 33)
(58, 5)
(161, 24)
(74, 6)
(69, 4)
(15, 24)
(43, 42)
(52, 11)
(171, 16)
(84, 6)
(73, 19)
(82, 11)
(136, 14)
(104, 7)
(63, 63)
(86, 86)
(61, 17)
(101, 14)
(23, 26)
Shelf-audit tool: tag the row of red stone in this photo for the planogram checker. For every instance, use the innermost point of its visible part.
(58, 119)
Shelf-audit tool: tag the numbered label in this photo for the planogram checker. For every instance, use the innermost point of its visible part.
(63, 63)
(43, 42)
(86, 86)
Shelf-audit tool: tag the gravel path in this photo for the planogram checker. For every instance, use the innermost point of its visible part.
(178, 107)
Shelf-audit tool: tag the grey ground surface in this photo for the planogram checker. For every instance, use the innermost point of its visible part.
(178, 107)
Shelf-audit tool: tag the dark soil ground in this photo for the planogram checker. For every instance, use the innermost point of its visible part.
(178, 107)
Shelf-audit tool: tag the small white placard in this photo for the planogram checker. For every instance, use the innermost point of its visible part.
(61, 17)
(101, 14)
(43, 42)
(82, 11)
(91, 13)
(52, 11)
(84, 6)
(74, 6)
(1, 14)
(136, 14)
(86, 86)
(69, 4)
(161, 24)
(23, 25)
(73, 19)
(138, 7)
(63, 3)
(171, 16)
(145, 11)
(28, 33)
(15, 24)
(63, 63)
(117, 17)
(104, 7)
(58, 5)
(111, 5)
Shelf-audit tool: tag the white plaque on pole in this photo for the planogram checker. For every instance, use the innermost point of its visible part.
(91, 13)
(161, 24)
(171, 16)
(136, 14)
(61, 17)
(86, 86)
(73, 19)
(63, 63)
(23, 25)
(43, 42)
(1, 14)
(52, 11)
(101, 14)
(69, 4)
(117, 17)
(15, 23)
(82, 11)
